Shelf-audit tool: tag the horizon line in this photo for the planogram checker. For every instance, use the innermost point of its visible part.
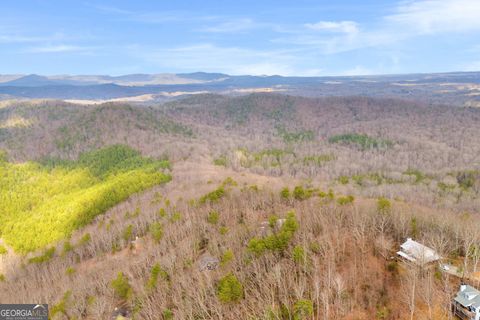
(238, 75)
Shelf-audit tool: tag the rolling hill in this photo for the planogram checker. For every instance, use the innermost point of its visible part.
(270, 206)
(456, 88)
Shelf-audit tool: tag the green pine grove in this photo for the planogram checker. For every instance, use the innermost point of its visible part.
(43, 202)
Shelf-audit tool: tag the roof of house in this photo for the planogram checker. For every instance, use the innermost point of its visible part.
(208, 262)
(417, 252)
(468, 296)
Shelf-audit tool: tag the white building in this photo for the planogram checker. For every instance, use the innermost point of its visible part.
(467, 303)
(418, 253)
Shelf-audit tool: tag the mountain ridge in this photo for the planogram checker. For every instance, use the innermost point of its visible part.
(455, 88)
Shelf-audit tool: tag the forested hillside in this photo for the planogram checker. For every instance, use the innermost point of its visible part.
(269, 207)
(372, 147)
(41, 203)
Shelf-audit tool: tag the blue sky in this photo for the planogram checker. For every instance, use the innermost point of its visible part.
(301, 37)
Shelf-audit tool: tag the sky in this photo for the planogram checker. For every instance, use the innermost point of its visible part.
(262, 37)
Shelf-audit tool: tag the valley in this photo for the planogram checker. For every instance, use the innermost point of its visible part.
(299, 203)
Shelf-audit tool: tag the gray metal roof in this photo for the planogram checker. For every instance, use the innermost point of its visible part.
(468, 296)
(417, 252)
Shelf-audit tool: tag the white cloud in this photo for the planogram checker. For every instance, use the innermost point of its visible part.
(408, 19)
(149, 17)
(212, 58)
(110, 9)
(349, 27)
(435, 16)
(17, 39)
(20, 38)
(58, 48)
(233, 26)
(339, 42)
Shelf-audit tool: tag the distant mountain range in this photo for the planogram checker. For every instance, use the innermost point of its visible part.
(465, 85)
(34, 80)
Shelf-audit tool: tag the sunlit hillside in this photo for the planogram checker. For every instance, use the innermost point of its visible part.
(41, 203)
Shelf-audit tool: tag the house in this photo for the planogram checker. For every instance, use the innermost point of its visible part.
(417, 253)
(207, 263)
(466, 304)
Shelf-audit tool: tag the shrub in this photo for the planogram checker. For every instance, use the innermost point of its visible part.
(229, 289)
(157, 198)
(414, 227)
(343, 179)
(121, 287)
(278, 241)
(272, 221)
(296, 136)
(164, 275)
(85, 239)
(213, 196)
(154, 273)
(392, 267)
(220, 161)
(257, 246)
(138, 303)
(229, 182)
(298, 255)
(46, 256)
(115, 247)
(67, 247)
(2, 277)
(318, 160)
(330, 194)
(3, 156)
(283, 312)
(275, 155)
(69, 271)
(467, 179)
(383, 205)
(300, 193)
(213, 217)
(285, 193)
(91, 300)
(345, 200)
(162, 213)
(382, 313)
(127, 233)
(303, 309)
(61, 306)
(227, 257)
(362, 141)
(419, 176)
(156, 230)
(315, 247)
(176, 216)
(3, 250)
(137, 212)
(167, 314)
